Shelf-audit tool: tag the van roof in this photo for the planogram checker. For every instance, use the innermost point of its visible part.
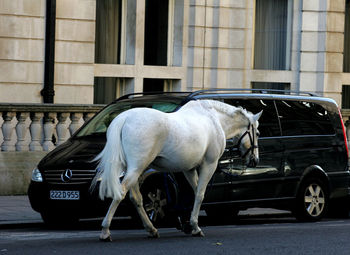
(237, 93)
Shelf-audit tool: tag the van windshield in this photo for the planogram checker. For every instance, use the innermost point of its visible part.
(99, 124)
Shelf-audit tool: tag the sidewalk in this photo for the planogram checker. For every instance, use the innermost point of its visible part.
(15, 211)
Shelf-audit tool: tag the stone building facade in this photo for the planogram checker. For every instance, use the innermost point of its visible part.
(206, 44)
(81, 54)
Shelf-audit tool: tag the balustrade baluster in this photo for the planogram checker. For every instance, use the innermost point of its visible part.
(49, 119)
(62, 128)
(21, 131)
(7, 131)
(35, 131)
(87, 116)
(75, 125)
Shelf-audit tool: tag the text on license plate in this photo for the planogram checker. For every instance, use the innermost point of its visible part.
(64, 194)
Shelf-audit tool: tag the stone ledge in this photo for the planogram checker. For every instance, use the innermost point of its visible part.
(18, 107)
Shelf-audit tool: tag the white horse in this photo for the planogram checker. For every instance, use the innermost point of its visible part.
(192, 138)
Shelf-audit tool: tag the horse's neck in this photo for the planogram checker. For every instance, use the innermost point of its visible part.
(232, 125)
(232, 119)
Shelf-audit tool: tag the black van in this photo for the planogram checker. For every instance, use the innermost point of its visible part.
(303, 162)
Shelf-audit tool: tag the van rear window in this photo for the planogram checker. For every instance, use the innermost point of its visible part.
(303, 118)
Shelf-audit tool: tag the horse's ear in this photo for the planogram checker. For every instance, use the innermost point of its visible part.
(257, 116)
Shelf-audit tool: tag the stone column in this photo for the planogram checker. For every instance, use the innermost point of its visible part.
(322, 39)
(7, 131)
(49, 119)
(21, 131)
(88, 116)
(35, 131)
(75, 125)
(62, 128)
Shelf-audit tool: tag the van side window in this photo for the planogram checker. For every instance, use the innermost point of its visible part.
(268, 122)
(303, 118)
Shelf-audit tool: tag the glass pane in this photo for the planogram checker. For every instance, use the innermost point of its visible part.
(153, 85)
(303, 118)
(346, 97)
(108, 26)
(105, 90)
(156, 32)
(99, 124)
(271, 85)
(272, 34)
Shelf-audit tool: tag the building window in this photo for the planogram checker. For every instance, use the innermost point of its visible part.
(156, 32)
(271, 85)
(273, 27)
(107, 89)
(108, 31)
(345, 101)
(160, 85)
(346, 61)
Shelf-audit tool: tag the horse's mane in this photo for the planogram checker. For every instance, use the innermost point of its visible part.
(225, 108)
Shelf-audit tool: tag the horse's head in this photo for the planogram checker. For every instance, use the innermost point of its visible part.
(248, 142)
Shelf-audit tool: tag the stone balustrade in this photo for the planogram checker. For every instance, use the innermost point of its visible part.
(40, 127)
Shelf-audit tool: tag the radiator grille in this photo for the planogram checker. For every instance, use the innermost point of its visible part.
(75, 176)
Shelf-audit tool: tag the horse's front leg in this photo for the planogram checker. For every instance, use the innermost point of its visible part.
(206, 171)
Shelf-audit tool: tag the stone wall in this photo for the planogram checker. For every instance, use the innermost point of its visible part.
(28, 132)
(16, 170)
(22, 51)
(22, 33)
(75, 51)
(213, 46)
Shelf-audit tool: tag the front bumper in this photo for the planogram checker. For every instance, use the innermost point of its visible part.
(88, 206)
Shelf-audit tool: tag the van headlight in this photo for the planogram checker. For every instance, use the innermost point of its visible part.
(36, 175)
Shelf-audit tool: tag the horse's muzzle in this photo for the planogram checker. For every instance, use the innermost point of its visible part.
(253, 161)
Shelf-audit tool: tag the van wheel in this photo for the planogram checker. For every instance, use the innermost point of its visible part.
(312, 200)
(158, 200)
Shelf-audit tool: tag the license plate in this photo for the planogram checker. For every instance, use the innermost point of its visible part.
(64, 195)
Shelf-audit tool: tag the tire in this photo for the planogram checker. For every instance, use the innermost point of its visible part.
(312, 200)
(159, 198)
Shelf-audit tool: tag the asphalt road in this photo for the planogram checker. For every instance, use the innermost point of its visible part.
(246, 236)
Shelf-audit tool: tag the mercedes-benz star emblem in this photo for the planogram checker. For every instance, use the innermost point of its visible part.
(66, 175)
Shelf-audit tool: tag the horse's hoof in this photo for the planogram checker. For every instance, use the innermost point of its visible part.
(187, 228)
(154, 235)
(106, 240)
(199, 234)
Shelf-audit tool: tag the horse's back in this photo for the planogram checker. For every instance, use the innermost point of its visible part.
(176, 140)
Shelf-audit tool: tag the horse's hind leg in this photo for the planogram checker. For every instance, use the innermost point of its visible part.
(105, 233)
(128, 181)
(136, 198)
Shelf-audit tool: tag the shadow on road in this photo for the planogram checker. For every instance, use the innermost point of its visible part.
(126, 223)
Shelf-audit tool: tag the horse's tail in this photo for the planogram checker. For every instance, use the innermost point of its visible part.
(111, 163)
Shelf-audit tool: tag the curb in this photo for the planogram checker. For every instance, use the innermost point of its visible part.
(18, 224)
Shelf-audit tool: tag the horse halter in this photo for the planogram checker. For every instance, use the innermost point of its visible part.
(252, 142)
